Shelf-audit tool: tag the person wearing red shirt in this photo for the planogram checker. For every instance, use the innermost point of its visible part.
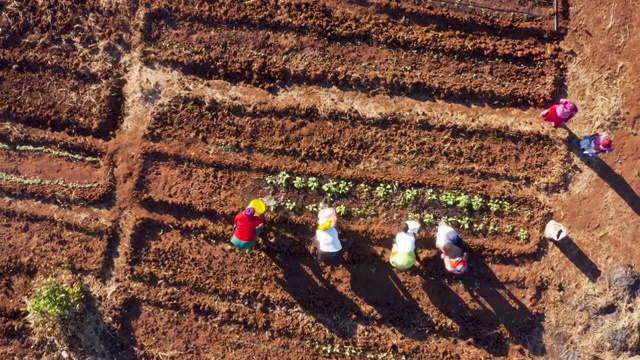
(246, 228)
(559, 113)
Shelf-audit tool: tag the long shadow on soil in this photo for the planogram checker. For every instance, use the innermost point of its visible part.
(494, 307)
(578, 258)
(372, 280)
(92, 338)
(381, 288)
(606, 173)
(319, 298)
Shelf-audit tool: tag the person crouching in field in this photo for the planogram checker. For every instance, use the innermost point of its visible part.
(560, 113)
(594, 145)
(247, 226)
(451, 245)
(403, 255)
(330, 247)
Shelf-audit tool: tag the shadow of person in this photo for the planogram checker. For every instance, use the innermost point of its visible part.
(479, 324)
(316, 295)
(605, 172)
(492, 309)
(377, 284)
(484, 287)
(578, 258)
(93, 338)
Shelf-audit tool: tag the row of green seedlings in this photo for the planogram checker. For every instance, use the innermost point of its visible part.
(38, 181)
(392, 192)
(349, 351)
(485, 226)
(44, 149)
(333, 189)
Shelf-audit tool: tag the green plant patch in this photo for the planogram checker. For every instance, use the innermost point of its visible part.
(53, 301)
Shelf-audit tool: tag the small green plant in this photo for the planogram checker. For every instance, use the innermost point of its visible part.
(479, 227)
(477, 203)
(465, 222)
(274, 205)
(463, 201)
(299, 182)
(283, 178)
(270, 179)
(331, 349)
(344, 187)
(448, 199)
(408, 196)
(383, 191)
(312, 208)
(413, 217)
(494, 205)
(493, 228)
(508, 229)
(290, 204)
(313, 183)
(53, 301)
(506, 206)
(366, 191)
(448, 220)
(523, 235)
(429, 219)
(341, 210)
(432, 195)
(330, 187)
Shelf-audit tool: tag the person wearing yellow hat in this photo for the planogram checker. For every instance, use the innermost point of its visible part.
(330, 247)
(247, 226)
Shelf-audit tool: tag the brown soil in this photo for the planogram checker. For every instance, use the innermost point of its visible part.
(132, 132)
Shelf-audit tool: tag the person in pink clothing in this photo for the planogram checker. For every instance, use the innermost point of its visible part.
(596, 144)
(559, 113)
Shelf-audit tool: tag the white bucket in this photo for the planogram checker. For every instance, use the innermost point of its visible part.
(555, 231)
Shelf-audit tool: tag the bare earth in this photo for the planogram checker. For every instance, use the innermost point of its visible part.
(131, 133)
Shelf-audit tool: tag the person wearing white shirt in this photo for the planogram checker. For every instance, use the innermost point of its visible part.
(403, 255)
(330, 247)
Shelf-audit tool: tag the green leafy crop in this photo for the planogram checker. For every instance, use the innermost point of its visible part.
(313, 183)
(341, 210)
(53, 301)
(299, 182)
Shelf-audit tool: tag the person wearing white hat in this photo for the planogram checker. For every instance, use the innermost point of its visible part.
(451, 245)
(330, 248)
(403, 255)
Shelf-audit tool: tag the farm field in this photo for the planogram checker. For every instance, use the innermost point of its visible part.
(132, 132)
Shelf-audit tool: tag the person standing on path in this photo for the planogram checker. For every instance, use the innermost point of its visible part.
(596, 144)
(403, 255)
(560, 113)
(452, 247)
(330, 247)
(247, 226)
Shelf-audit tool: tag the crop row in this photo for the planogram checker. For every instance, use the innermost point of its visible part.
(44, 149)
(358, 24)
(363, 147)
(271, 60)
(468, 212)
(56, 98)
